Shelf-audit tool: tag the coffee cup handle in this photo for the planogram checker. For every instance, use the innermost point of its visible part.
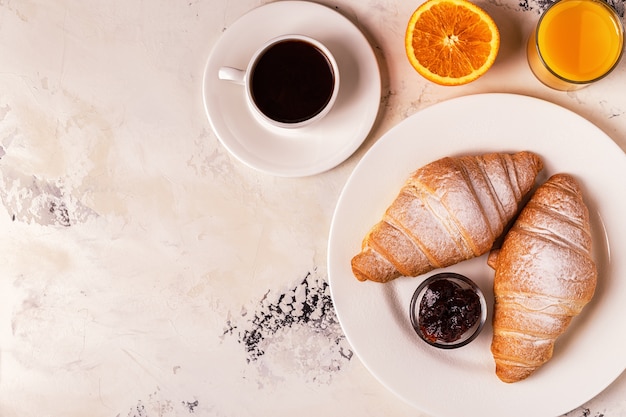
(232, 74)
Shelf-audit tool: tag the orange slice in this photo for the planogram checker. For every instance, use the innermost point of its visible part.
(451, 42)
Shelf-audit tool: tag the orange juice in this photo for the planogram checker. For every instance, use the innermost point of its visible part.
(575, 43)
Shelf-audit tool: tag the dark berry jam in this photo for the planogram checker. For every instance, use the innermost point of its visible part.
(447, 311)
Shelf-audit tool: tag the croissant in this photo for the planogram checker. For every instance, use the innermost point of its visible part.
(448, 211)
(544, 276)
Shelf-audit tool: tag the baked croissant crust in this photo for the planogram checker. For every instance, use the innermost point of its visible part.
(544, 276)
(448, 211)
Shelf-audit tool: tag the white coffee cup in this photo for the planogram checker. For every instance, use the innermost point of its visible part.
(290, 82)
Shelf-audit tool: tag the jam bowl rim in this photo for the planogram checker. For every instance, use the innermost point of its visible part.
(467, 283)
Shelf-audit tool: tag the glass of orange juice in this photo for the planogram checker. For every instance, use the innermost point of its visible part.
(575, 43)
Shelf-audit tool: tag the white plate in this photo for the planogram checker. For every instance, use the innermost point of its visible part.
(462, 382)
(316, 148)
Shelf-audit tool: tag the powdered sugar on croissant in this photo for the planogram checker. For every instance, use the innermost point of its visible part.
(545, 275)
(448, 211)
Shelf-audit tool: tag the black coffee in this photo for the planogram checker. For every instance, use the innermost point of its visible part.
(292, 82)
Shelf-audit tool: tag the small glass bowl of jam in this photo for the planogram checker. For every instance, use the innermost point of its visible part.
(448, 310)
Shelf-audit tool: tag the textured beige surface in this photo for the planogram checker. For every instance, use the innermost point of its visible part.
(136, 253)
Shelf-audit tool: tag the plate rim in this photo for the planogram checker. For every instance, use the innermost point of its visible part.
(494, 97)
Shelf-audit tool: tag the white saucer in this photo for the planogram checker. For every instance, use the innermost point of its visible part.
(318, 147)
